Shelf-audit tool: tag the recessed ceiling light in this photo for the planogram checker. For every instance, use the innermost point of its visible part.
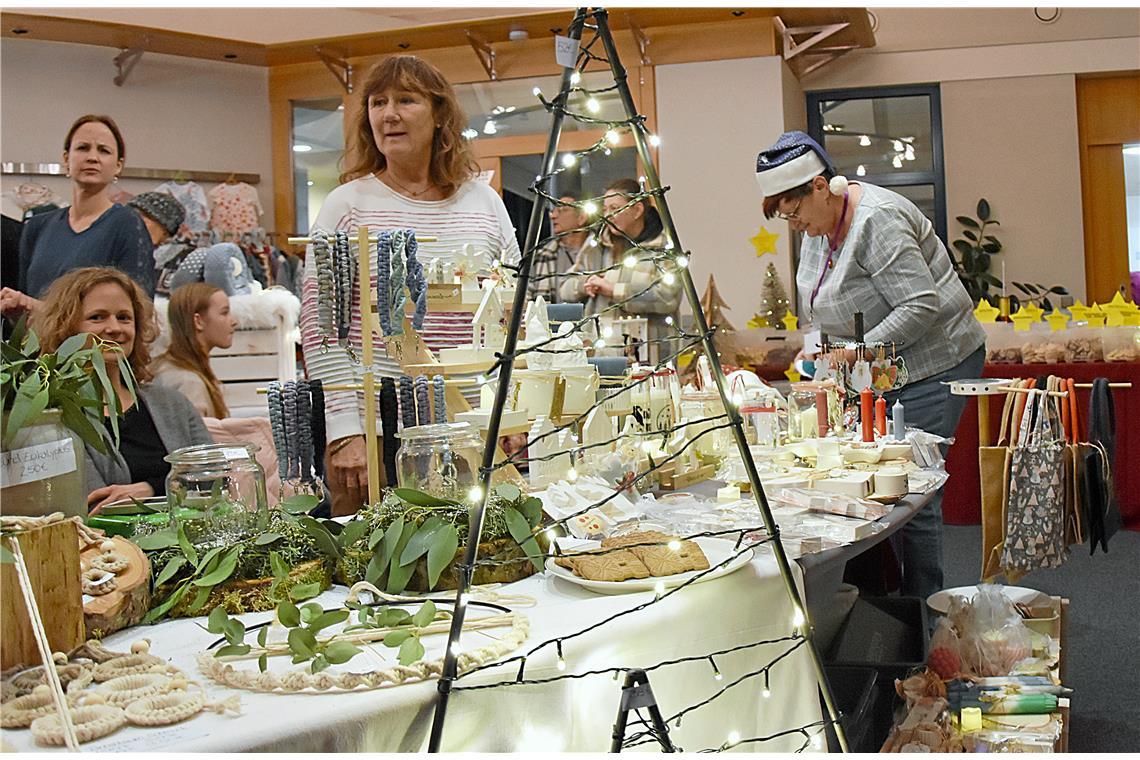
(302, 148)
(490, 127)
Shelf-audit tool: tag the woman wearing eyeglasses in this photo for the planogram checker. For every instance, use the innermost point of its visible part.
(867, 249)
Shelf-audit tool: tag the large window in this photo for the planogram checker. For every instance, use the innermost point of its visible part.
(887, 136)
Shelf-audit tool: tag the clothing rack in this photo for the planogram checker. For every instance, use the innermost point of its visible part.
(132, 172)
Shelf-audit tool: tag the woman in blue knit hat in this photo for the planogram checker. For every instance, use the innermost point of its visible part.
(867, 249)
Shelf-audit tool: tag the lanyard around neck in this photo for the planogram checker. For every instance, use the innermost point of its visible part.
(832, 246)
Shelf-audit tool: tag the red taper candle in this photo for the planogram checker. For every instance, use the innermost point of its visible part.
(881, 416)
(866, 414)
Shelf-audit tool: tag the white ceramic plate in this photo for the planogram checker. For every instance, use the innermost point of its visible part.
(939, 601)
(716, 551)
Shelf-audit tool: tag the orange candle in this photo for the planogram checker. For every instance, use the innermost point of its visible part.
(881, 416)
(866, 414)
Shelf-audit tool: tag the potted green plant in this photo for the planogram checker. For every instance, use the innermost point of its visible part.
(53, 404)
(975, 250)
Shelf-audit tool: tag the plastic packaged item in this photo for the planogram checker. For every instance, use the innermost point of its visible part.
(1041, 345)
(945, 656)
(1121, 344)
(1083, 344)
(440, 460)
(1003, 345)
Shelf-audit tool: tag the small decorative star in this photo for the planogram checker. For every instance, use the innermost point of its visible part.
(1033, 310)
(790, 320)
(1079, 311)
(792, 373)
(1095, 316)
(764, 242)
(1057, 320)
(985, 311)
(1021, 320)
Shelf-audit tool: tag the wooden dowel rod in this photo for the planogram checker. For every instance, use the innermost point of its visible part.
(1110, 385)
(457, 381)
(307, 240)
(1058, 394)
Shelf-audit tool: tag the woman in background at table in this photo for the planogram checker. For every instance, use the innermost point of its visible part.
(200, 321)
(867, 249)
(92, 231)
(110, 305)
(414, 170)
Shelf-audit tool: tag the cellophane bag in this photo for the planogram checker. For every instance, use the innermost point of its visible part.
(945, 656)
(991, 635)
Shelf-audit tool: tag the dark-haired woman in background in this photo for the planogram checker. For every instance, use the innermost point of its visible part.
(92, 231)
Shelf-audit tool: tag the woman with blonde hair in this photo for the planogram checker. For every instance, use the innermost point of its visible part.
(412, 169)
(200, 321)
(111, 306)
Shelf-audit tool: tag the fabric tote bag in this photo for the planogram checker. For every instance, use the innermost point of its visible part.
(993, 469)
(1035, 517)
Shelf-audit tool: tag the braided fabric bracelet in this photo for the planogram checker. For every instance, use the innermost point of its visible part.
(91, 722)
(440, 399)
(383, 278)
(322, 259)
(415, 279)
(407, 402)
(423, 401)
(22, 711)
(397, 294)
(277, 425)
(175, 706)
(317, 426)
(289, 404)
(122, 690)
(305, 430)
(342, 262)
(389, 422)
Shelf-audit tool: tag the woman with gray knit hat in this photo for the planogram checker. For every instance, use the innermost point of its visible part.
(867, 249)
(161, 213)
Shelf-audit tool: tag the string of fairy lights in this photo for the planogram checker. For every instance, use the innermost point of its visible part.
(666, 262)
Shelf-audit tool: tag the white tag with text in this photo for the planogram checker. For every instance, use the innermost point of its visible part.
(32, 463)
(566, 51)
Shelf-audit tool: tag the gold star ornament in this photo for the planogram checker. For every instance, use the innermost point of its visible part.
(1057, 320)
(1022, 319)
(764, 241)
(790, 320)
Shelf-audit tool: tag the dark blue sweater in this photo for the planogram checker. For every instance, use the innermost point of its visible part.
(50, 248)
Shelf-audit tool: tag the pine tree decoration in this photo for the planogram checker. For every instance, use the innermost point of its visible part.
(714, 307)
(773, 301)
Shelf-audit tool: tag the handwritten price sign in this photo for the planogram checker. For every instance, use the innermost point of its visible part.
(565, 51)
(32, 463)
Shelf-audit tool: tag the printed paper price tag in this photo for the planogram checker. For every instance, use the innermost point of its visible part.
(235, 453)
(565, 51)
(32, 463)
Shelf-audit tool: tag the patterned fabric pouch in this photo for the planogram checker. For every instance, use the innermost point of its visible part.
(1035, 520)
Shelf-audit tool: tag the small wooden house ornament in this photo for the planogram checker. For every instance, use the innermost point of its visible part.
(487, 324)
(543, 473)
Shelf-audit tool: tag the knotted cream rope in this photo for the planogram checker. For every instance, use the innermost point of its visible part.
(176, 706)
(87, 536)
(110, 560)
(139, 661)
(21, 711)
(122, 690)
(92, 721)
(96, 582)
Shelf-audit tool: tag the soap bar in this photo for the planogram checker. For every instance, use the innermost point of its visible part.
(728, 493)
(857, 484)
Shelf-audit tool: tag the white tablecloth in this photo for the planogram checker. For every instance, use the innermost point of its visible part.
(568, 715)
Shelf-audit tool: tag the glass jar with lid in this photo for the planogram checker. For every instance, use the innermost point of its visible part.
(440, 460)
(223, 487)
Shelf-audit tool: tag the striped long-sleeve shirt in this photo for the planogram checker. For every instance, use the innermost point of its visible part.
(474, 214)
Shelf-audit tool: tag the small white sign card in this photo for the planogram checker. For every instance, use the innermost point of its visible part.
(32, 463)
(566, 51)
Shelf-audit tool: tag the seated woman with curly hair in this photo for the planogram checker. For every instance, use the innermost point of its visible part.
(111, 306)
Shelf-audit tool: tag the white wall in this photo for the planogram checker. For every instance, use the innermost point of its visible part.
(713, 118)
(175, 113)
(1014, 142)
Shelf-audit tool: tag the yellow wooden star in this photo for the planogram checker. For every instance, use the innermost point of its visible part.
(1033, 310)
(792, 374)
(1133, 319)
(1115, 310)
(1021, 320)
(1057, 320)
(791, 321)
(1079, 311)
(764, 241)
(986, 312)
(1114, 318)
(1095, 316)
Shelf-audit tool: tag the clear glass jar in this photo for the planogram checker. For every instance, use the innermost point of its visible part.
(440, 460)
(224, 485)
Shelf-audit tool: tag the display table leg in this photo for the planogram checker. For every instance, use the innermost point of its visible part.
(983, 420)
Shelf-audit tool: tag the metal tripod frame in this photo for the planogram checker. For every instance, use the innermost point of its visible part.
(600, 18)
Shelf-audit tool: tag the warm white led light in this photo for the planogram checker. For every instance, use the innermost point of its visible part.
(654, 140)
(659, 589)
(733, 737)
(766, 693)
(612, 137)
(630, 260)
(593, 106)
(537, 92)
(568, 159)
(561, 663)
(600, 343)
(575, 78)
(675, 545)
(475, 494)
(668, 320)
(590, 207)
(682, 261)
(865, 140)
(571, 474)
(797, 618)
(607, 331)
(668, 278)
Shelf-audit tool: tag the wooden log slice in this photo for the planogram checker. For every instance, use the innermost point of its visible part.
(128, 603)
